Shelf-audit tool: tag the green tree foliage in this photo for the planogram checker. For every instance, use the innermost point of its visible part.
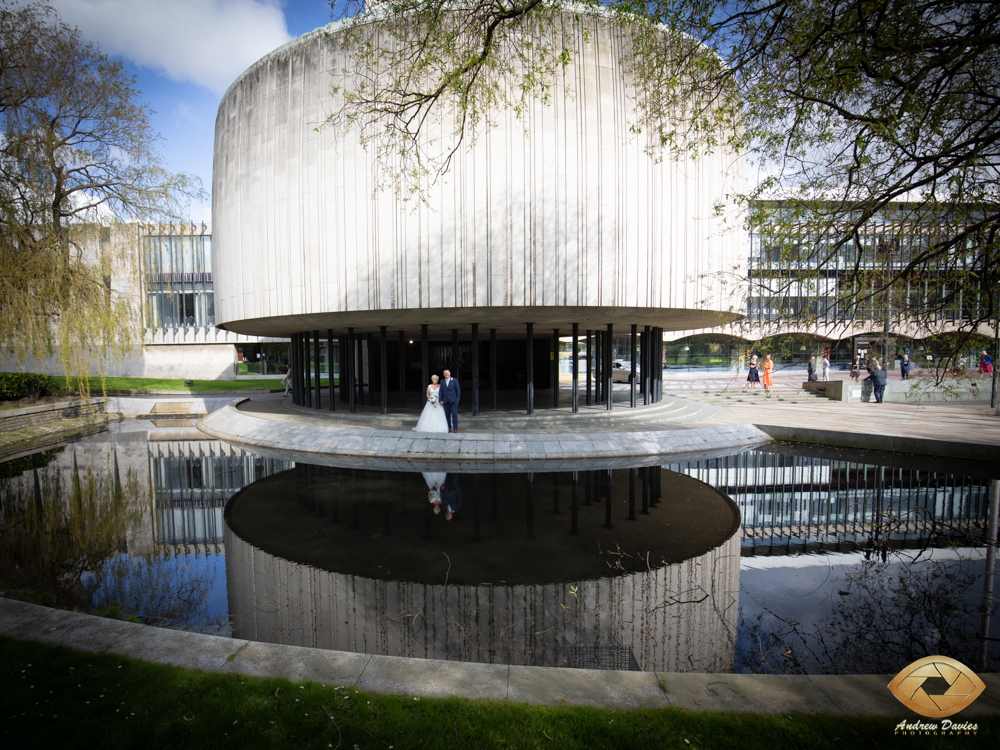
(872, 127)
(77, 162)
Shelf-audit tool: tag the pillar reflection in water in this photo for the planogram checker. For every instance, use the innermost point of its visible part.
(513, 587)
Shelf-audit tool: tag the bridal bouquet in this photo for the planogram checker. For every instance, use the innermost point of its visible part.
(433, 398)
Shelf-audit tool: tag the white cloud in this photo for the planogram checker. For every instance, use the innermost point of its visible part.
(207, 42)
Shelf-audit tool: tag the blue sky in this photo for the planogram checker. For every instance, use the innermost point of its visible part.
(184, 54)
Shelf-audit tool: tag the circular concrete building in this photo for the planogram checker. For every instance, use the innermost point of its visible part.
(563, 217)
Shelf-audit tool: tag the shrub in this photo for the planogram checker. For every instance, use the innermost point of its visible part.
(17, 385)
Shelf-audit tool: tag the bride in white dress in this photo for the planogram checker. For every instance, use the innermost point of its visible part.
(432, 418)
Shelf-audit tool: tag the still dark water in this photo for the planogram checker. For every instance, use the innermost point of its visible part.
(780, 559)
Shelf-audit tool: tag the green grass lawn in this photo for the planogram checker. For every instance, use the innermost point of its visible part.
(56, 697)
(164, 384)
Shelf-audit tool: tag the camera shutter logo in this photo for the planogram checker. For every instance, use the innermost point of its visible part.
(964, 686)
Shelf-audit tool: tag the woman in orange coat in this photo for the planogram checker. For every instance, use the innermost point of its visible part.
(766, 379)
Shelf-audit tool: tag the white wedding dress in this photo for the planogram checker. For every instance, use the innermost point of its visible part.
(432, 418)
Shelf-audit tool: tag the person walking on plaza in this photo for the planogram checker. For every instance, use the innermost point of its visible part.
(287, 380)
(985, 365)
(753, 376)
(768, 366)
(825, 368)
(878, 379)
(811, 370)
(904, 367)
(856, 368)
(451, 392)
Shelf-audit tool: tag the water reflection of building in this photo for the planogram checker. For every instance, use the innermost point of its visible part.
(192, 481)
(516, 586)
(792, 503)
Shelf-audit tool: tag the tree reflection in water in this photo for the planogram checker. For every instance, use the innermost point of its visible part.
(79, 535)
(887, 612)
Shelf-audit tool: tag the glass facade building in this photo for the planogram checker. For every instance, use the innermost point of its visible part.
(179, 282)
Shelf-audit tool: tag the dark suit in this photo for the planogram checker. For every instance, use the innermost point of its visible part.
(904, 368)
(450, 393)
(451, 494)
(878, 384)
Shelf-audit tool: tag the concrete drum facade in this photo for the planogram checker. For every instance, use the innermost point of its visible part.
(566, 217)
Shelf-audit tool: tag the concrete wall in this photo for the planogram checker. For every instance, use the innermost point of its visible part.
(189, 361)
(562, 217)
(900, 391)
(676, 617)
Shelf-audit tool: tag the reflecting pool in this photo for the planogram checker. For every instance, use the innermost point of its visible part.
(779, 559)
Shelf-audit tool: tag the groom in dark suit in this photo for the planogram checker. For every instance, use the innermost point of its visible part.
(451, 392)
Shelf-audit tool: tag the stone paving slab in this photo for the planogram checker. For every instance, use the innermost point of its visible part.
(346, 445)
(729, 693)
(297, 663)
(560, 686)
(208, 653)
(431, 678)
(777, 694)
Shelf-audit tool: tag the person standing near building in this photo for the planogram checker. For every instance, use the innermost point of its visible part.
(768, 367)
(825, 367)
(904, 367)
(811, 370)
(856, 368)
(753, 376)
(287, 380)
(451, 392)
(985, 365)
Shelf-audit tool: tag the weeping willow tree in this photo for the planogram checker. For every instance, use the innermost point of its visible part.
(78, 163)
(872, 128)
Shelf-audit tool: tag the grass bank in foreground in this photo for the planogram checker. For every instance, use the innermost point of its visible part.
(55, 697)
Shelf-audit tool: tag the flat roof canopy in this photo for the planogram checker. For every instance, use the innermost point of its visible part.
(509, 321)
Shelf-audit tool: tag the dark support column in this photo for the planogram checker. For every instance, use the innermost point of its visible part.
(371, 361)
(475, 370)
(631, 494)
(604, 482)
(598, 366)
(589, 365)
(530, 503)
(456, 356)
(576, 375)
(402, 369)
(476, 521)
(316, 367)
(554, 367)
(634, 375)
(645, 490)
(307, 369)
(608, 357)
(425, 364)
(342, 366)
(359, 367)
(646, 369)
(493, 368)
(384, 370)
(329, 368)
(350, 370)
(574, 501)
(658, 365)
(530, 375)
(294, 362)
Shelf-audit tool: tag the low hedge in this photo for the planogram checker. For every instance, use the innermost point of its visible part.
(17, 385)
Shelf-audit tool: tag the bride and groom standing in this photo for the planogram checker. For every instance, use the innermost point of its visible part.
(440, 413)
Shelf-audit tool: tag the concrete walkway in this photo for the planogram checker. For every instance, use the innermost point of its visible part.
(864, 695)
